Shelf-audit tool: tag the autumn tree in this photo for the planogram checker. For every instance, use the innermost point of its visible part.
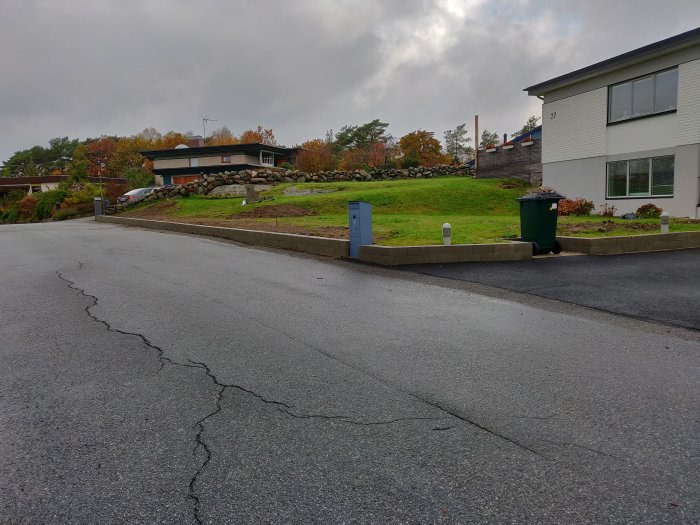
(422, 147)
(79, 167)
(127, 154)
(222, 137)
(99, 151)
(258, 136)
(531, 123)
(489, 138)
(150, 135)
(170, 140)
(456, 141)
(315, 156)
(363, 146)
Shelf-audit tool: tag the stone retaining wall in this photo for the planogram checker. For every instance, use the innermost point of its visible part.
(277, 175)
(631, 244)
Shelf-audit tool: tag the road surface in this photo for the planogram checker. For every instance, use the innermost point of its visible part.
(151, 377)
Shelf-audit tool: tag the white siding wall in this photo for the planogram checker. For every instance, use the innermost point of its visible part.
(575, 127)
(688, 131)
(642, 135)
(171, 163)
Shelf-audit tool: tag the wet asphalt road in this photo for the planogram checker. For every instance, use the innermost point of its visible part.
(159, 378)
(660, 287)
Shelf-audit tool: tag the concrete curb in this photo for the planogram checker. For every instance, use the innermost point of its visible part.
(434, 254)
(397, 255)
(339, 248)
(631, 244)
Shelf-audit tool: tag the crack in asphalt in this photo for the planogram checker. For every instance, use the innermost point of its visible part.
(582, 447)
(481, 427)
(200, 425)
(416, 396)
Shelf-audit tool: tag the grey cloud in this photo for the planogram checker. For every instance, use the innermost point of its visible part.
(83, 68)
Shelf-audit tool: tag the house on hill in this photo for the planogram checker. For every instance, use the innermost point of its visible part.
(185, 164)
(626, 131)
(31, 185)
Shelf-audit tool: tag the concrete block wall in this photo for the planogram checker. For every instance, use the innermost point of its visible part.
(631, 244)
(336, 248)
(397, 255)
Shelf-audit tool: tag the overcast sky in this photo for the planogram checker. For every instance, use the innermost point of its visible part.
(84, 68)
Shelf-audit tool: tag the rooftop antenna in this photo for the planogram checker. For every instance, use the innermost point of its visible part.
(206, 119)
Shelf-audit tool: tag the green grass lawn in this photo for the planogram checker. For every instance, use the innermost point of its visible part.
(404, 212)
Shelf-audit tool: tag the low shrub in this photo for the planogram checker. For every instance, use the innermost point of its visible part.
(649, 211)
(27, 207)
(65, 213)
(46, 201)
(578, 206)
(11, 197)
(9, 215)
(608, 210)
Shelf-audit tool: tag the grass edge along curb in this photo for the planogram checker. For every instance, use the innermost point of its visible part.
(339, 248)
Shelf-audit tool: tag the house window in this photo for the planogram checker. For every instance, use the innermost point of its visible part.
(267, 159)
(225, 159)
(651, 177)
(648, 95)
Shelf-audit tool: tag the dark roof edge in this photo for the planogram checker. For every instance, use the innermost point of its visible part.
(9, 181)
(207, 170)
(663, 45)
(228, 148)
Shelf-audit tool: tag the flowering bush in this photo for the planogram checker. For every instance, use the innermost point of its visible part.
(578, 206)
(649, 211)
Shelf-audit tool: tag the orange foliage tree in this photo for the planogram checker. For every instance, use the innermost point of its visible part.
(420, 146)
(99, 152)
(170, 140)
(258, 136)
(315, 156)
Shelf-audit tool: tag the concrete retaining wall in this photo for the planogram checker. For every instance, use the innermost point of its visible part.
(395, 255)
(631, 244)
(301, 243)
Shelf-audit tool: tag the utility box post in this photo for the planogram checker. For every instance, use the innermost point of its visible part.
(360, 222)
(665, 220)
(99, 208)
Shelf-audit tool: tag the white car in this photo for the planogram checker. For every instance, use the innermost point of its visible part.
(135, 195)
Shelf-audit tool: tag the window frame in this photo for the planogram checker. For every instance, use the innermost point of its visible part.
(263, 155)
(650, 195)
(631, 82)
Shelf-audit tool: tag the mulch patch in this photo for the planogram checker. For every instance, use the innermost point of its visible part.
(158, 211)
(279, 210)
(603, 227)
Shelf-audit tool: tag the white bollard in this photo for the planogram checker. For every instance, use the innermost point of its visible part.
(447, 234)
(665, 221)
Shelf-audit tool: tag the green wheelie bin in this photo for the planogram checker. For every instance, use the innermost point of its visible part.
(538, 221)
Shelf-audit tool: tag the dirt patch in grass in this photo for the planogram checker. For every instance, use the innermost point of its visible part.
(270, 212)
(159, 211)
(574, 228)
(333, 232)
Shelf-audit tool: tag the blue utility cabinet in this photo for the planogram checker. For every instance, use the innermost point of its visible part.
(360, 221)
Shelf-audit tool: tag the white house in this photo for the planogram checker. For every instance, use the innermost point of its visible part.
(626, 131)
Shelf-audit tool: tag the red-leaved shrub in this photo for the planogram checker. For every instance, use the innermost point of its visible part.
(578, 206)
